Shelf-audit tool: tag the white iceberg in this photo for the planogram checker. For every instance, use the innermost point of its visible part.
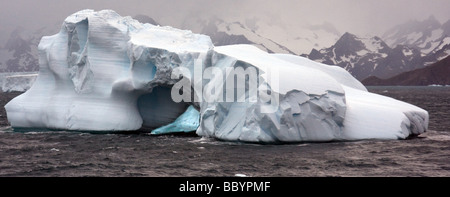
(104, 72)
(310, 103)
(18, 82)
(368, 115)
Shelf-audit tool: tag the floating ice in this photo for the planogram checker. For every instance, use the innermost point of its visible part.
(310, 103)
(104, 72)
(18, 82)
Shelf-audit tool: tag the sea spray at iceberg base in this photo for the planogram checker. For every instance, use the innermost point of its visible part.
(104, 72)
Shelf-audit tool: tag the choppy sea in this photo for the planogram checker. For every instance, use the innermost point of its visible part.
(64, 153)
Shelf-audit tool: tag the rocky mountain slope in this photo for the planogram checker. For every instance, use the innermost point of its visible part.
(435, 74)
(406, 47)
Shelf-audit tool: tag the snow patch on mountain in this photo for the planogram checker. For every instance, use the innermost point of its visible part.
(424, 35)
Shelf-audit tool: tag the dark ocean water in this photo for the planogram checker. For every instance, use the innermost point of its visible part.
(63, 153)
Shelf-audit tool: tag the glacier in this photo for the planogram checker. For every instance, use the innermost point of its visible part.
(103, 72)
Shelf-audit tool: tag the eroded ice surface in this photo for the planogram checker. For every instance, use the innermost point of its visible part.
(104, 72)
(311, 103)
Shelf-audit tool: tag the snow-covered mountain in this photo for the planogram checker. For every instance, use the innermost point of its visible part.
(224, 33)
(19, 53)
(364, 57)
(429, 36)
(441, 51)
(405, 47)
(271, 37)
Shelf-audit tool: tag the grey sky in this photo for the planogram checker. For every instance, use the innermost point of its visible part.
(357, 16)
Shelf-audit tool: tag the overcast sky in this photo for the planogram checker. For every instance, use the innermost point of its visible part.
(357, 16)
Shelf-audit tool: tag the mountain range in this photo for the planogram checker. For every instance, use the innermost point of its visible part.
(20, 52)
(424, 35)
(409, 46)
(364, 57)
(435, 74)
(270, 36)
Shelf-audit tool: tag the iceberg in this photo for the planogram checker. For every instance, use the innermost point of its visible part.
(18, 82)
(103, 72)
(368, 115)
(310, 105)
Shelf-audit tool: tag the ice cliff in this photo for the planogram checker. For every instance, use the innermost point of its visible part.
(104, 72)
